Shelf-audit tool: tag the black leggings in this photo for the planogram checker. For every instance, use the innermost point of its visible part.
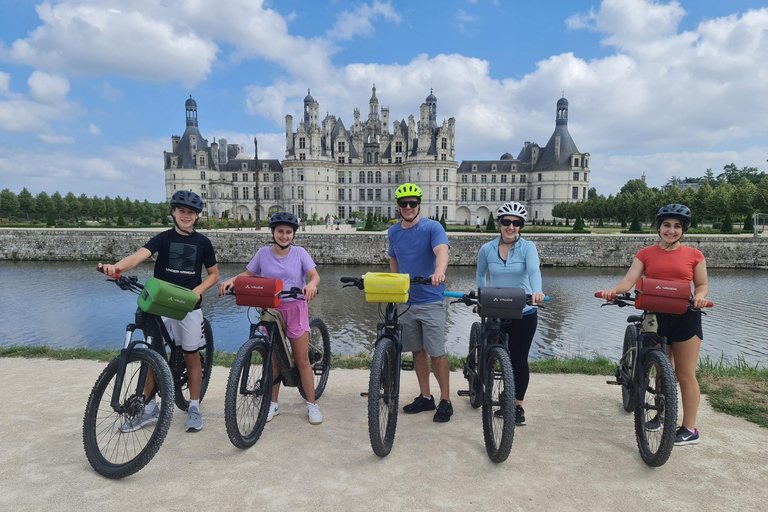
(520, 338)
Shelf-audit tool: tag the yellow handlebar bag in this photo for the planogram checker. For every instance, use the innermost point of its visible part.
(386, 287)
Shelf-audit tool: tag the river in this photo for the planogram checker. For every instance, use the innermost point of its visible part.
(69, 305)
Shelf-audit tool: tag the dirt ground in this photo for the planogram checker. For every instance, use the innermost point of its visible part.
(577, 452)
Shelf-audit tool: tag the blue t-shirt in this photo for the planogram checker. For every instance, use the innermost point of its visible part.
(521, 270)
(413, 248)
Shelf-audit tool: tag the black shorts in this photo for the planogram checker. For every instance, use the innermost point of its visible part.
(680, 327)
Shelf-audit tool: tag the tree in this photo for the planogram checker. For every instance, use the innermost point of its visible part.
(633, 186)
(120, 220)
(636, 227)
(727, 224)
(490, 227)
(97, 208)
(73, 205)
(369, 222)
(43, 205)
(110, 208)
(58, 207)
(9, 203)
(749, 223)
(442, 221)
(578, 225)
(26, 203)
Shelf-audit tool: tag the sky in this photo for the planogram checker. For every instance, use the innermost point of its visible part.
(91, 91)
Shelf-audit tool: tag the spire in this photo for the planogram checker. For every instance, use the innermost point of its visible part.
(191, 108)
(562, 112)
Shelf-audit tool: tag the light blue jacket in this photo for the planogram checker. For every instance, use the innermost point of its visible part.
(521, 270)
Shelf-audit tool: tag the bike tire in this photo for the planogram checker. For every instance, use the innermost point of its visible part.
(382, 399)
(181, 394)
(319, 356)
(499, 429)
(627, 388)
(245, 413)
(111, 452)
(660, 397)
(475, 387)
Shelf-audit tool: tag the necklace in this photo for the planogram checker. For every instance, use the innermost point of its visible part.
(668, 247)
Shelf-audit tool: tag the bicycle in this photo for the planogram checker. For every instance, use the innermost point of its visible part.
(118, 397)
(384, 384)
(488, 368)
(647, 380)
(249, 386)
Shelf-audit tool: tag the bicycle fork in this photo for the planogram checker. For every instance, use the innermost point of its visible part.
(125, 352)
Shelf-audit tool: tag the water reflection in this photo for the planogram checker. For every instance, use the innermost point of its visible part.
(67, 305)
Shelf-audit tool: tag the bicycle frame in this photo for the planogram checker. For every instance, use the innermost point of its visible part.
(646, 341)
(491, 326)
(392, 329)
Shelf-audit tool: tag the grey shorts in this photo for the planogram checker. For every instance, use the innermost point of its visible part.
(424, 328)
(187, 333)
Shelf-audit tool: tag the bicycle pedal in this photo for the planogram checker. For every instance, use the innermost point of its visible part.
(463, 392)
(406, 365)
(364, 394)
(613, 382)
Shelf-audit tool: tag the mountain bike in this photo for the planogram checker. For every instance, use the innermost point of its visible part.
(488, 368)
(146, 369)
(384, 384)
(249, 386)
(648, 384)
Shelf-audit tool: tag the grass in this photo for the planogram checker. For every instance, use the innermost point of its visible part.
(734, 388)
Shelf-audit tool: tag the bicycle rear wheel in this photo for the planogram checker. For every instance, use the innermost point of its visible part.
(627, 388)
(206, 361)
(249, 392)
(656, 414)
(475, 388)
(319, 356)
(119, 444)
(499, 406)
(382, 400)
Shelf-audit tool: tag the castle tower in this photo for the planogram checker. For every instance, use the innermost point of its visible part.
(191, 108)
(432, 106)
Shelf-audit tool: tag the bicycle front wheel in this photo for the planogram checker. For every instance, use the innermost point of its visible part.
(249, 392)
(473, 377)
(382, 397)
(627, 364)
(319, 356)
(206, 361)
(656, 414)
(499, 406)
(120, 443)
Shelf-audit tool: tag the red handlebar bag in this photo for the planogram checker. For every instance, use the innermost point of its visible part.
(258, 292)
(662, 296)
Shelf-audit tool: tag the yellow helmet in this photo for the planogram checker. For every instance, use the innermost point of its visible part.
(408, 190)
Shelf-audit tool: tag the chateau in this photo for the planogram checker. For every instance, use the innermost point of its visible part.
(331, 169)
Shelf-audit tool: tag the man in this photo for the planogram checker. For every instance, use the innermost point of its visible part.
(477, 224)
(419, 247)
(181, 254)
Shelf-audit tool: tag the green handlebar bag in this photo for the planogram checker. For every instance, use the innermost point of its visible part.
(166, 299)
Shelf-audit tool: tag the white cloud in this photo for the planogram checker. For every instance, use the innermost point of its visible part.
(55, 139)
(94, 130)
(45, 102)
(5, 80)
(49, 89)
(466, 22)
(359, 22)
(109, 93)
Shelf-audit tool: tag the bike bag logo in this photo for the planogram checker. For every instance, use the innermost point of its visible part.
(502, 299)
(173, 299)
(253, 287)
(670, 288)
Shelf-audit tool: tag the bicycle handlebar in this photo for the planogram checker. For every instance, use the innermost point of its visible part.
(360, 282)
(128, 283)
(622, 300)
(293, 293)
(470, 298)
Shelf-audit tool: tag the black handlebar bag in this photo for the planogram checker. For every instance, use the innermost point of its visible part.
(498, 302)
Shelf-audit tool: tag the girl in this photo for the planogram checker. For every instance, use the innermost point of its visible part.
(291, 264)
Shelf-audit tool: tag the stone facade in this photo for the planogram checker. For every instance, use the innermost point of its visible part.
(371, 249)
(330, 169)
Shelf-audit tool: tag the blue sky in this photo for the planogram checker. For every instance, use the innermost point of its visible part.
(92, 90)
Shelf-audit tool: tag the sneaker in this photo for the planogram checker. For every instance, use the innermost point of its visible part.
(444, 411)
(519, 415)
(315, 417)
(419, 404)
(274, 410)
(654, 425)
(685, 436)
(194, 419)
(148, 416)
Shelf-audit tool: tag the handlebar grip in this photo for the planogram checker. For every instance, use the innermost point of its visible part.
(599, 296)
(710, 305)
(101, 269)
(348, 279)
(453, 294)
(546, 298)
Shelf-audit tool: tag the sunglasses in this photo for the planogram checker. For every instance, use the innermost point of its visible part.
(509, 222)
(406, 204)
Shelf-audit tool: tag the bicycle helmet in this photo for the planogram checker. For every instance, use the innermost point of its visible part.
(512, 208)
(674, 211)
(286, 218)
(187, 199)
(407, 190)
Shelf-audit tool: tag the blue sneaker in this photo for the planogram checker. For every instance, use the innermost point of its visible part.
(654, 425)
(194, 419)
(147, 417)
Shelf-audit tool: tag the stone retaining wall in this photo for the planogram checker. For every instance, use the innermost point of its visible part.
(370, 248)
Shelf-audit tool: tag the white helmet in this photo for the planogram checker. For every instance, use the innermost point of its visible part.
(512, 208)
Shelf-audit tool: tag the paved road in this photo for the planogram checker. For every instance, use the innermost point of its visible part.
(577, 452)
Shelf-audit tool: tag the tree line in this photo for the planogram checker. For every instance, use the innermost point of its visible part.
(56, 209)
(735, 193)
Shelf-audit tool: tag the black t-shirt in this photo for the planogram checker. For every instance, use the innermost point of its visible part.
(180, 258)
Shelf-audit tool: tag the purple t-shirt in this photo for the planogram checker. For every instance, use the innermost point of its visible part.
(291, 268)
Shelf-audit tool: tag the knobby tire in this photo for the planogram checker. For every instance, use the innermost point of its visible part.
(319, 356)
(660, 397)
(475, 387)
(382, 400)
(499, 430)
(246, 413)
(628, 388)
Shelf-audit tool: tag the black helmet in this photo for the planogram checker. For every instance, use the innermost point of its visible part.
(674, 211)
(187, 199)
(286, 218)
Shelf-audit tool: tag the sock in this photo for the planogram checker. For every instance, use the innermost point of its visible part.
(195, 403)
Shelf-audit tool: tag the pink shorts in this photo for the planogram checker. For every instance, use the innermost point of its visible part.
(296, 316)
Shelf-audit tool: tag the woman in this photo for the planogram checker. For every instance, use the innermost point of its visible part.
(673, 261)
(513, 262)
(291, 264)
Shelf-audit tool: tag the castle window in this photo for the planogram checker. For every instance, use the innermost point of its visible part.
(300, 192)
(575, 193)
(522, 178)
(245, 193)
(266, 193)
(302, 156)
(378, 176)
(378, 194)
(538, 192)
(276, 177)
(300, 174)
(521, 195)
(341, 159)
(576, 176)
(539, 176)
(474, 194)
(266, 176)
(493, 178)
(398, 159)
(341, 177)
(474, 179)
(437, 174)
(341, 194)
(361, 179)
(474, 167)
(502, 194)
(370, 176)
(483, 195)
(443, 157)
(234, 176)
(302, 143)
(493, 167)
(362, 194)
(202, 175)
(585, 176)
(444, 143)
(342, 147)
(503, 178)
(236, 193)
(493, 194)
(245, 176)
(484, 178)
(445, 174)
(276, 190)
(398, 147)
(463, 194)
(445, 193)
(463, 178)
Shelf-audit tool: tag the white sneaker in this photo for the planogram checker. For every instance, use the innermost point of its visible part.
(274, 410)
(315, 417)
